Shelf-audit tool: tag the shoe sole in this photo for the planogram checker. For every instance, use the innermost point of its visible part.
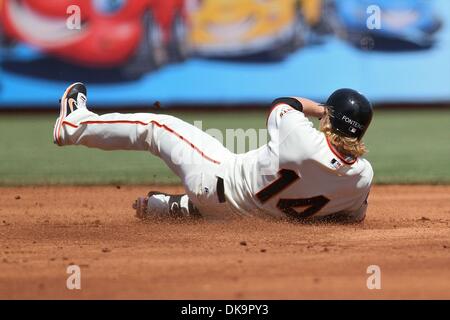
(139, 205)
(62, 116)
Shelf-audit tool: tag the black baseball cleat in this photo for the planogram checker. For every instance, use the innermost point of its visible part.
(75, 97)
(162, 205)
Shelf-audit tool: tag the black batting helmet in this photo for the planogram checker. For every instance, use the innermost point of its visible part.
(350, 113)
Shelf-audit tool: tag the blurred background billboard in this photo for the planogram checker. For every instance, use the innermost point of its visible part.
(197, 52)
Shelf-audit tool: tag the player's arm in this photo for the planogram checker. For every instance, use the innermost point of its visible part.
(360, 214)
(311, 108)
(354, 216)
(299, 108)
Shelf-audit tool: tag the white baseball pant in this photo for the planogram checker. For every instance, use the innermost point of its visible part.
(195, 156)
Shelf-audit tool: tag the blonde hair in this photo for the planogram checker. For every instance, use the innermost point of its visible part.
(344, 145)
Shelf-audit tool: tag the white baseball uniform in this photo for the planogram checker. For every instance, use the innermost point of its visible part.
(296, 174)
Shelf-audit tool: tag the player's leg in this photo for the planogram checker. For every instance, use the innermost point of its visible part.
(200, 162)
(170, 138)
(77, 125)
(196, 157)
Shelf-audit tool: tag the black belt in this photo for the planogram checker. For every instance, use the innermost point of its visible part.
(220, 190)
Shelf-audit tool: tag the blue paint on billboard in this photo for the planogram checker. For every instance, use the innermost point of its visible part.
(30, 78)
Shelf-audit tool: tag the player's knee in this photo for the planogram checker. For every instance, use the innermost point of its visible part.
(201, 189)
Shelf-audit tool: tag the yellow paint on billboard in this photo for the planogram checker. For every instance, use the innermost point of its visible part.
(240, 20)
(312, 10)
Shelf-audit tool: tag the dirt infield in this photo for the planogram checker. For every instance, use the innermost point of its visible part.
(45, 229)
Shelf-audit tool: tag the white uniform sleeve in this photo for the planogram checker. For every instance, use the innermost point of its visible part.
(275, 116)
(298, 139)
(279, 108)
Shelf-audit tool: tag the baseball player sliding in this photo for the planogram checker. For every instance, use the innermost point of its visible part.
(302, 173)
